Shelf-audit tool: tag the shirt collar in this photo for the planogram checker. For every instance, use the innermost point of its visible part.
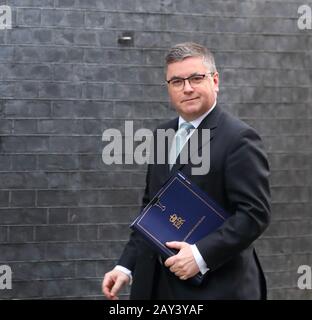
(197, 121)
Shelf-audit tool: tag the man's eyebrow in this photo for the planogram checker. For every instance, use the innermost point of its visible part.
(193, 74)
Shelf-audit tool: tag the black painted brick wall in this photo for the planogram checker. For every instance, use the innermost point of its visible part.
(65, 78)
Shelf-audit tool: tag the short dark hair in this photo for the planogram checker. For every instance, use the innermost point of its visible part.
(191, 49)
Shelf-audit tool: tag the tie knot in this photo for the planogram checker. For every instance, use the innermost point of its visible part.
(186, 127)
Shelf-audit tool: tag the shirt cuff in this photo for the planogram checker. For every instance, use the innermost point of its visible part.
(126, 271)
(199, 259)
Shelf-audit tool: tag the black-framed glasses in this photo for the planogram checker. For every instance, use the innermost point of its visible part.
(194, 80)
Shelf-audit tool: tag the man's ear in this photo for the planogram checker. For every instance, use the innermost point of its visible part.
(216, 81)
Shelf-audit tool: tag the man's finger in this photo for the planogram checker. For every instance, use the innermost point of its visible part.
(175, 245)
(170, 261)
(183, 277)
(115, 289)
(107, 286)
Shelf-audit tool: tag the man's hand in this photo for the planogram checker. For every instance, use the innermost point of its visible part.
(113, 281)
(183, 264)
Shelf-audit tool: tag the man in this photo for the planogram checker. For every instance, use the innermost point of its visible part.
(237, 180)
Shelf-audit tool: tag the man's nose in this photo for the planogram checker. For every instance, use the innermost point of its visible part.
(187, 86)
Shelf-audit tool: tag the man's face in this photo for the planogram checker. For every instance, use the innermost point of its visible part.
(191, 102)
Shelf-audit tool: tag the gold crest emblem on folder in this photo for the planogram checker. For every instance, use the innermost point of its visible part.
(176, 221)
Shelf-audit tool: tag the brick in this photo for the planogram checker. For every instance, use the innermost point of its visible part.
(23, 198)
(93, 4)
(71, 288)
(289, 178)
(280, 126)
(23, 180)
(21, 108)
(114, 232)
(280, 263)
(103, 266)
(65, 3)
(7, 90)
(114, 56)
(25, 144)
(57, 90)
(288, 228)
(86, 38)
(137, 110)
(58, 216)
(29, 17)
(139, 75)
(96, 215)
(3, 234)
(106, 197)
(58, 126)
(100, 179)
(18, 252)
(85, 109)
(22, 162)
(25, 127)
(63, 180)
(100, 74)
(48, 54)
(21, 234)
(108, 38)
(23, 216)
(125, 21)
(288, 210)
(19, 289)
(91, 162)
(68, 72)
(66, 18)
(290, 194)
(5, 163)
(259, 59)
(285, 245)
(82, 144)
(88, 233)
(2, 38)
(92, 91)
(282, 279)
(289, 293)
(287, 161)
(83, 251)
(29, 36)
(86, 269)
(4, 198)
(292, 144)
(5, 126)
(96, 19)
(56, 233)
(115, 248)
(32, 3)
(58, 162)
(64, 37)
(27, 90)
(26, 271)
(62, 198)
(31, 72)
(83, 215)
(7, 53)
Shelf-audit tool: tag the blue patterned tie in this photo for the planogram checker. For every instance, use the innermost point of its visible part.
(180, 139)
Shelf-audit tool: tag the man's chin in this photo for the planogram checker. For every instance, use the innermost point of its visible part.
(190, 114)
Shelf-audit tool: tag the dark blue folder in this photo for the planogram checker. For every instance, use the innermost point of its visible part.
(180, 211)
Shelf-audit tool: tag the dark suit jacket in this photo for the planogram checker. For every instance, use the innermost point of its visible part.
(238, 181)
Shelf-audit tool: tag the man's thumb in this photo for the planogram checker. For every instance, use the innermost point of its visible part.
(174, 244)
